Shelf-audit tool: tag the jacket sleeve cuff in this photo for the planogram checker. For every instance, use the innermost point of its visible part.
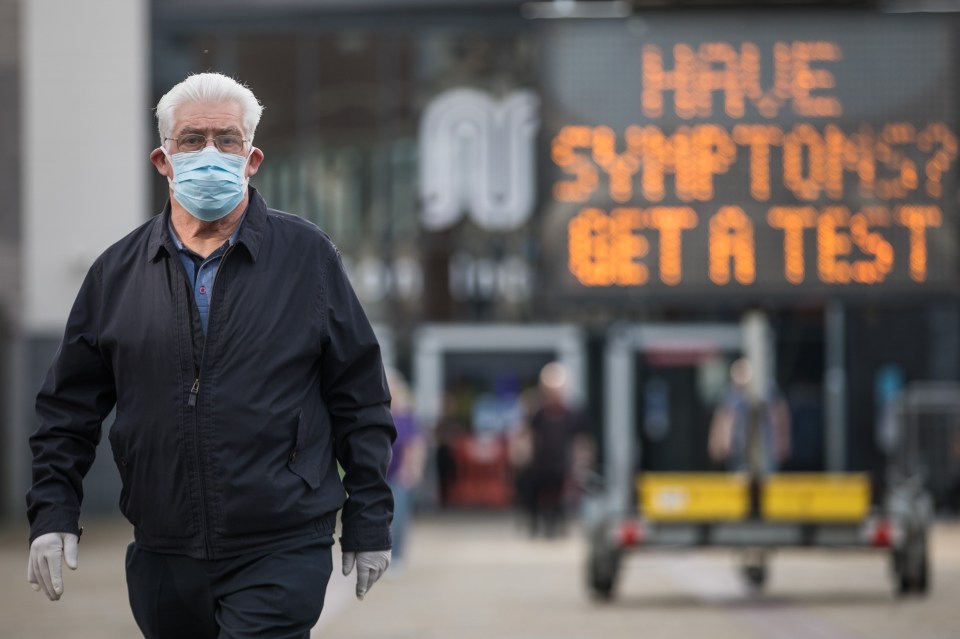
(364, 539)
(68, 523)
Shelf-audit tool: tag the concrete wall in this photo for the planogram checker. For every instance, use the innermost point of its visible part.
(85, 89)
(9, 226)
(85, 135)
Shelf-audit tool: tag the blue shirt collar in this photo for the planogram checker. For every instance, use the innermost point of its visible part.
(180, 246)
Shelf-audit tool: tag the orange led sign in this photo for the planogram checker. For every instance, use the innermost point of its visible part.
(743, 168)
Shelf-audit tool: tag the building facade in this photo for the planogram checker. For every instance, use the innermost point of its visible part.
(494, 169)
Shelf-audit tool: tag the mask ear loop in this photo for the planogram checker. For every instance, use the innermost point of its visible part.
(243, 167)
(163, 149)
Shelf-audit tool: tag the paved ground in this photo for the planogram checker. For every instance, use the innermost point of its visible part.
(473, 577)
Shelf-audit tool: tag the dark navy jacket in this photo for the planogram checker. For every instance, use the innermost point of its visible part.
(226, 444)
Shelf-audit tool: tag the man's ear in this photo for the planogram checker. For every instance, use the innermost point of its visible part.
(254, 162)
(162, 164)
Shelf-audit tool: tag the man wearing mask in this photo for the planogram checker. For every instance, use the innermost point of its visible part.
(242, 369)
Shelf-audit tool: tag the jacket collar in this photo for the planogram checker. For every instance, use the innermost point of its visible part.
(250, 235)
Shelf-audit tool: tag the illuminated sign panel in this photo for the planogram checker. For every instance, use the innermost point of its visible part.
(810, 153)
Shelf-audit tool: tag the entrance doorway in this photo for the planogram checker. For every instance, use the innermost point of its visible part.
(473, 385)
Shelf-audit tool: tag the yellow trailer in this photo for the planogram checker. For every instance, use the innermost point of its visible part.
(758, 515)
(755, 512)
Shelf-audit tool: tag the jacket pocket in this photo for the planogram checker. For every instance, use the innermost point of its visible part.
(301, 462)
(154, 496)
(122, 462)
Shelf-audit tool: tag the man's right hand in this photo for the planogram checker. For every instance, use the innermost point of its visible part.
(45, 569)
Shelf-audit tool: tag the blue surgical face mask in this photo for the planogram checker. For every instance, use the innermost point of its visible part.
(207, 183)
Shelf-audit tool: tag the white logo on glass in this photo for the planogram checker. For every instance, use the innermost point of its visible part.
(477, 156)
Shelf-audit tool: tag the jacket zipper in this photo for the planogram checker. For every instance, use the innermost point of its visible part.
(195, 389)
(192, 403)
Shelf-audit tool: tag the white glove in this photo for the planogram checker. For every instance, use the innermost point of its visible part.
(370, 566)
(45, 568)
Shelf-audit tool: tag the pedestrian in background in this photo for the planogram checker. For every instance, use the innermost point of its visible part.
(242, 368)
(554, 428)
(747, 437)
(406, 468)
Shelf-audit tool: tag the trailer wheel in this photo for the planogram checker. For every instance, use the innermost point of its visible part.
(603, 567)
(754, 571)
(912, 568)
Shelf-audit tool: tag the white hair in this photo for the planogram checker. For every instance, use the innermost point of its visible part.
(208, 87)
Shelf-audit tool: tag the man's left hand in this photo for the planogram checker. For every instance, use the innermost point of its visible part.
(45, 567)
(370, 565)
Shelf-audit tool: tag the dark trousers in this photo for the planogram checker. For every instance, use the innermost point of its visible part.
(546, 502)
(278, 595)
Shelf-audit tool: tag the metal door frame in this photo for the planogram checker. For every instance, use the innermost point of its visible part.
(432, 341)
